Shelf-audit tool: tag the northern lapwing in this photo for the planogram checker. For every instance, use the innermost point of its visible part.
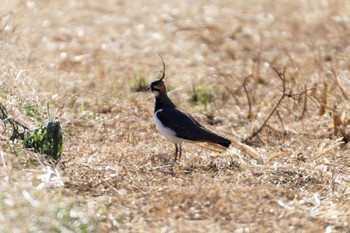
(176, 125)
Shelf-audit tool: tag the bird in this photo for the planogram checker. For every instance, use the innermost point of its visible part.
(178, 126)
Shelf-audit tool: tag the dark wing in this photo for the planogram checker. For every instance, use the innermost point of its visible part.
(187, 127)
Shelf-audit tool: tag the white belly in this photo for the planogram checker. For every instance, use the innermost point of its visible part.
(166, 132)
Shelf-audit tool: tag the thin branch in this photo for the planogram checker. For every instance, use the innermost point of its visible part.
(249, 115)
(280, 118)
(335, 76)
(303, 92)
(232, 93)
(15, 124)
(304, 104)
(281, 75)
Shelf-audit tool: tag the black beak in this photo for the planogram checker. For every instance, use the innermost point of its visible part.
(147, 88)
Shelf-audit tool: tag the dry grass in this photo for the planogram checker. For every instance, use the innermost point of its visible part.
(82, 57)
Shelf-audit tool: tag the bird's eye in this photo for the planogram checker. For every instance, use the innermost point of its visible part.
(155, 83)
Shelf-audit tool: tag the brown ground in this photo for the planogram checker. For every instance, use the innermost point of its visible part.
(83, 56)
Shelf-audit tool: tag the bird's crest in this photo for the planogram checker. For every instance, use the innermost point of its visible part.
(158, 86)
(163, 76)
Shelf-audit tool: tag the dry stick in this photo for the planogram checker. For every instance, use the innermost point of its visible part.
(281, 75)
(249, 115)
(284, 94)
(324, 99)
(305, 99)
(335, 76)
(257, 62)
(15, 124)
(280, 118)
(232, 93)
(305, 104)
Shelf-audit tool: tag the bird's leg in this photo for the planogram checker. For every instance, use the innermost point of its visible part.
(176, 152)
(180, 151)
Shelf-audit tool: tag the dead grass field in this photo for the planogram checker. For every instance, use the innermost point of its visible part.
(83, 58)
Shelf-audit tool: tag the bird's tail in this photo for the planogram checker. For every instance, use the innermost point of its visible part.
(225, 142)
(214, 138)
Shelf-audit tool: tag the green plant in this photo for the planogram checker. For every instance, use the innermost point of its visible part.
(139, 83)
(31, 110)
(46, 140)
(201, 95)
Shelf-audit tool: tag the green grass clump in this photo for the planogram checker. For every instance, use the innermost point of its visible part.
(201, 95)
(31, 110)
(139, 83)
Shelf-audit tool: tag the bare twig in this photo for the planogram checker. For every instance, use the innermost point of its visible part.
(280, 118)
(249, 115)
(303, 92)
(257, 62)
(281, 75)
(304, 105)
(335, 76)
(232, 93)
(324, 99)
(15, 124)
